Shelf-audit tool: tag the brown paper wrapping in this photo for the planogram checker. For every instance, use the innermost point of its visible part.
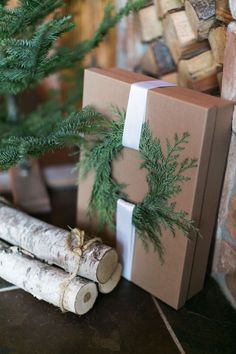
(169, 110)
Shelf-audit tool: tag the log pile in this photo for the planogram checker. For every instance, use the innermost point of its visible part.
(189, 48)
(58, 266)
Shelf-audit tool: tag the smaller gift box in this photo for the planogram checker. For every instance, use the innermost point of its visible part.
(168, 111)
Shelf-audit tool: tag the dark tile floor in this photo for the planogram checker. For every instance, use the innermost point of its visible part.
(126, 321)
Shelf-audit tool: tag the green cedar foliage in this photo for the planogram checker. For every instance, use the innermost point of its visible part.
(165, 175)
(28, 54)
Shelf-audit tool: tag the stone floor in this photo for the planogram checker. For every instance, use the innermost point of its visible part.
(128, 320)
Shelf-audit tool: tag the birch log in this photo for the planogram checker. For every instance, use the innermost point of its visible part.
(46, 282)
(112, 282)
(50, 243)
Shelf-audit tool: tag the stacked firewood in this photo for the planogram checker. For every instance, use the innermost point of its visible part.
(64, 268)
(186, 41)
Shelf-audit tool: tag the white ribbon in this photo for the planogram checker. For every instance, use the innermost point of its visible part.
(135, 117)
(136, 111)
(125, 235)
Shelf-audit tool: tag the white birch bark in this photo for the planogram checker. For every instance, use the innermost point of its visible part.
(49, 243)
(46, 282)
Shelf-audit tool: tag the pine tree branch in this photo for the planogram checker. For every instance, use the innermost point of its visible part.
(22, 60)
(28, 52)
(14, 22)
(70, 131)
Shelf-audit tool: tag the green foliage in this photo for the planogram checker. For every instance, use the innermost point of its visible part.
(165, 177)
(98, 157)
(29, 52)
(23, 62)
(56, 133)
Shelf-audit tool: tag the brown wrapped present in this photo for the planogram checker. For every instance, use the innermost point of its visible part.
(169, 110)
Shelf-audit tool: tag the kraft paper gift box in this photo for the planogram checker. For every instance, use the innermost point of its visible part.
(169, 110)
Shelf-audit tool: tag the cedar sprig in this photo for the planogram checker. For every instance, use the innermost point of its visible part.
(98, 156)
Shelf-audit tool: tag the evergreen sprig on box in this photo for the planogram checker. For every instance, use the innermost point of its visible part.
(28, 54)
(166, 173)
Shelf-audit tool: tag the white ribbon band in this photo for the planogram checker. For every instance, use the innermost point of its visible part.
(125, 235)
(136, 111)
(135, 117)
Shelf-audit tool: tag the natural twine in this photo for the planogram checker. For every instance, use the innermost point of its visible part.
(75, 236)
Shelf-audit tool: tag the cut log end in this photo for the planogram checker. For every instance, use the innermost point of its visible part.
(85, 298)
(107, 266)
(112, 282)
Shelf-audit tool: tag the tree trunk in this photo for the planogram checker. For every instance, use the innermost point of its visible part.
(46, 282)
(50, 243)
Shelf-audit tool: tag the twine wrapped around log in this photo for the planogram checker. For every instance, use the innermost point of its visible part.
(50, 243)
(79, 248)
(45, 282)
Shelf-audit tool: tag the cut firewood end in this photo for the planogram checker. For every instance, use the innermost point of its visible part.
(198, 73)
(151, 26)
(201, 15)
(157, 60)
(180, 38)
(217, 40)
